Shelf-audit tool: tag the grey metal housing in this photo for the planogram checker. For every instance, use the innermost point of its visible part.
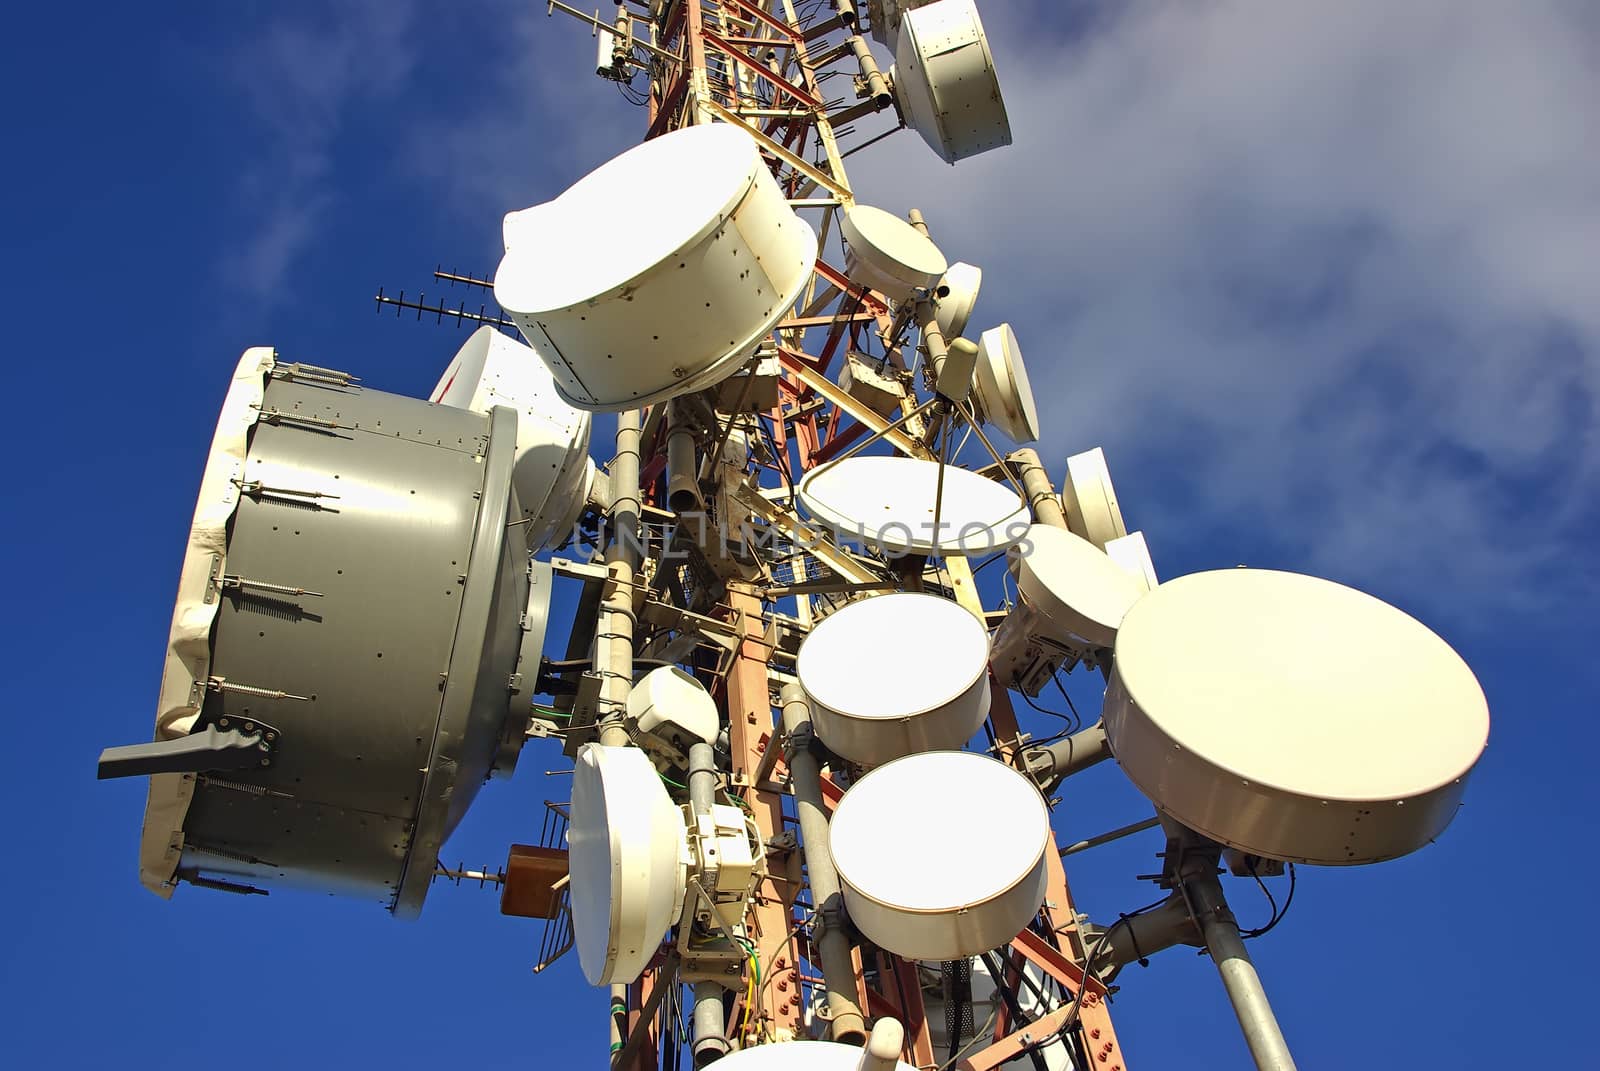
(394, 511)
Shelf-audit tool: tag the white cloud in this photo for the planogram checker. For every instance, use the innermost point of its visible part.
(1319, 276)
(1322, 275)
(301, 74)
(541, 120)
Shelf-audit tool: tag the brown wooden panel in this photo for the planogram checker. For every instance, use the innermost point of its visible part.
(530, 873)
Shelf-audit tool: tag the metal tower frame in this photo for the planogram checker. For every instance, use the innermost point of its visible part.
(763, 67)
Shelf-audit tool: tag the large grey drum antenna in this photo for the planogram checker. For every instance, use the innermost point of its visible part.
(342, 676)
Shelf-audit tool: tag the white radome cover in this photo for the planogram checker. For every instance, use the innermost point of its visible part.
(1076, 588)
(1090, 500)
(668, 695)
(896, 674)
(1003, 388)
(945, 82)
(888, 254)
(626, 307)
(553, 471)
(889, 502)
(1293, 717)
(962, 281)
(188, 658)
(625, 857)
(927, 871)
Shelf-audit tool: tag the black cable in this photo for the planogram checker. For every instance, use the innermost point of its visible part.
(1088, 964)
(1010, 999)
(1277, 914)
(781, 458)
(1073, 725)
(1056, 677)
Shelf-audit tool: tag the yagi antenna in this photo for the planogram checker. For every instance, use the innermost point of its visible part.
(459, 314)
(456, 277)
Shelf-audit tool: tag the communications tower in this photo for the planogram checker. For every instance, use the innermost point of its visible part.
(807, 828)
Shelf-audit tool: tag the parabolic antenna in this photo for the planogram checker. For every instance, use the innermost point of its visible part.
(945, 82)
(1079, 594)
(1001, 383)
(1089, 500)
(553, 471)
(631, 310)
(348, 583)
(1292, 717)
(625, 855)
(799, 1056)
(884, 252)
(896, 674)
(961, 284)
(889, 502)
(965, 875)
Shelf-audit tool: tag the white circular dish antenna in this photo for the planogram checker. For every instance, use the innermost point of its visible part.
(888, 254)
(894, 675)
(961, 285)
(624, 856)
(799, 1056)
(941, 855)
(1089, 500)
(889, 502)
(1002, 386)
(945, 81)
(553, 472)
(1292, 717)
(1079, 593)
(633, 308)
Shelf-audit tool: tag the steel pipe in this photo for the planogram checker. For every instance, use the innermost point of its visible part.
(710, 1018)
(614, 637)
(833, 947)
(1041, 495)
(1245, 991)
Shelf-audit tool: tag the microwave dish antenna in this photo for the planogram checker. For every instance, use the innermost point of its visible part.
(680, 296)
(896, 502)
(1291, 717)
(1089, 499)
(1073, 591)
(961, 877)
(945, 82)
(885, 253)
(634, 857)
(309, 619)
(1072, 598)
(625, 857)
(552, 472)
(958, 294)
(894, 675)
(1004, 394)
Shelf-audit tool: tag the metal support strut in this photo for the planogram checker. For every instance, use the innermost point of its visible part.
(1249, 998)
(833, 947)
(613, 647)
(710, 1019)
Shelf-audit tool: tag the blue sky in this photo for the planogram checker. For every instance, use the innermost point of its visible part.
(1320, 277)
